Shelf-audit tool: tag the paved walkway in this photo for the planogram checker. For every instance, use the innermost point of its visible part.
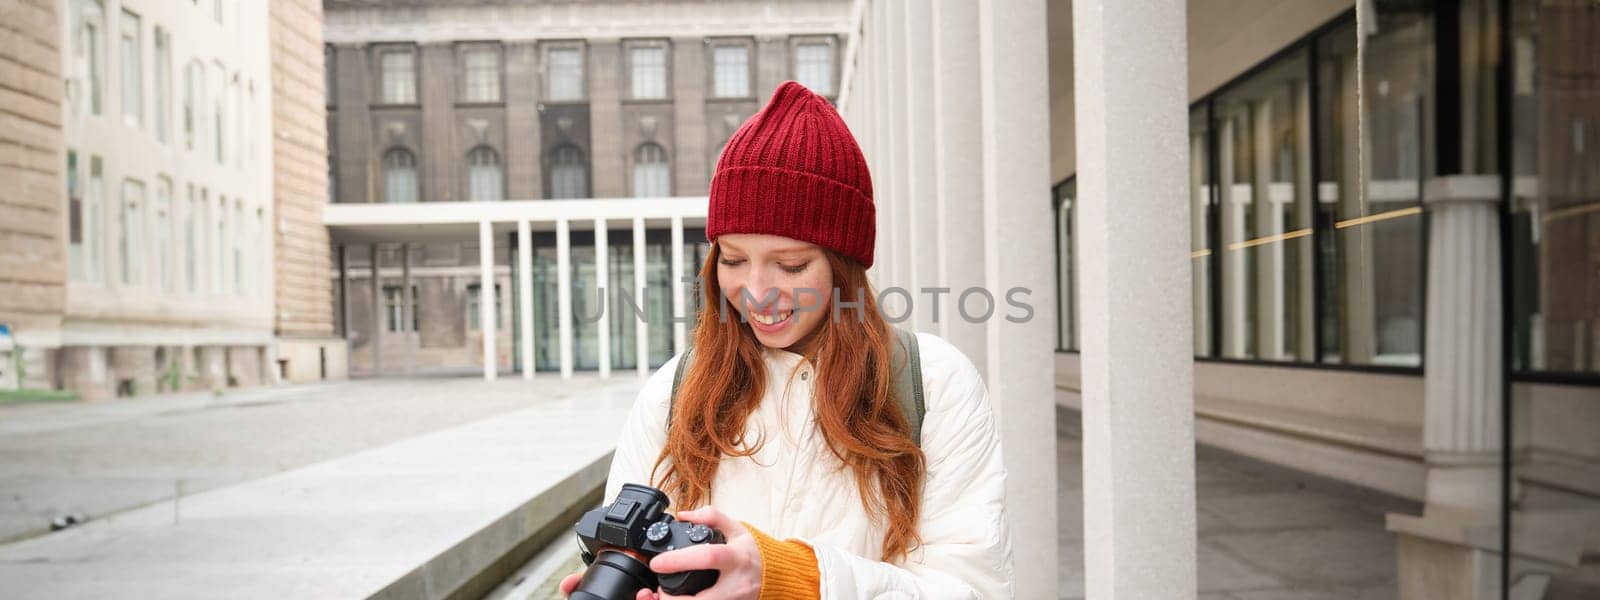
(1266, 532)
(419, 517)
(101, 458)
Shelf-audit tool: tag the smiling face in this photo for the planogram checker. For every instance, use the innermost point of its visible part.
(780, 286)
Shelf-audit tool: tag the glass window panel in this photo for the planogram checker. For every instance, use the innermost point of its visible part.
(649, 65)
(163, 86)
(191, 238)
(1555, 268)
(731, 71)
(1203, 210)
(130, 241)
(651, 178)
(93, 218)
(399, 176)
(399, 77)
(482, 78)
(569, 174)
(90, 51)
(163, 233)
(813, 67)
(484, 179)
(565, 74)
(75, 254)
(131, 57)
(1264, 151)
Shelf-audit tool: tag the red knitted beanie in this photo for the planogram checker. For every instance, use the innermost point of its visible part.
(795, 171)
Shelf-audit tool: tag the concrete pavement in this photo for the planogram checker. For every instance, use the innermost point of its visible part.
(416, 517)
(1266, 532)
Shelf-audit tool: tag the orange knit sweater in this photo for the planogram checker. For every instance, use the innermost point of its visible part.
(788, 568)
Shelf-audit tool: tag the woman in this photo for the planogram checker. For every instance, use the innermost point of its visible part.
(784, 434)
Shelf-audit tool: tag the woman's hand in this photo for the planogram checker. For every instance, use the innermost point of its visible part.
(570, 583)
(738, 562)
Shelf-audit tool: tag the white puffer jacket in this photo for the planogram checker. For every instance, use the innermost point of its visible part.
(795, 488)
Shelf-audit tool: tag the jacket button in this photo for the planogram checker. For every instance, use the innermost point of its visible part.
(805, 375)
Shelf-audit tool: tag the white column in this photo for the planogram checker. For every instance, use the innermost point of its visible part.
(642, 327)
(375, 283)
(1462, 368)
(1138, 378)
(678, 310)
(896, 166)
(602, 283)
(1015, 119)
(958, 170)
(486, 298)
(1234, 285)
(407, 309)
(525, 293)
(564, 294)
(921, 202)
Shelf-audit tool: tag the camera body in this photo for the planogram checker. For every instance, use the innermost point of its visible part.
(618, 540)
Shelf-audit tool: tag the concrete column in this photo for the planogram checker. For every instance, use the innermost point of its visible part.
(486, 298)
(525, 296)
(921, 202)
(679, 310)
(896, 167)
(602, 282)
(564, 294)
(1234, 285)
(375, 284)
(407, 310)
(1199, 253)
(642, 327)
(958, 169)
(1138, 377)
(1448, 552)
(690, 174)
(1265, 196)
(1015, 119)
(605, 118)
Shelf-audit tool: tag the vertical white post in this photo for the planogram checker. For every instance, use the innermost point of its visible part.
(1138, 371)
(958, 169)
(525, 291)
(1013, 83)
(602, 282)
(378, 309)
(407, 308)
(564, 294)
(486, 298)
(642, 326)
(678, 311)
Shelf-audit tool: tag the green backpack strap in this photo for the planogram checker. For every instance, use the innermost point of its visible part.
(906, 362)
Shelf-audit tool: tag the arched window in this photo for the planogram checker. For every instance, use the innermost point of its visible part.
(399, 176)
(569, 173)
(651, 176)
(484, 179)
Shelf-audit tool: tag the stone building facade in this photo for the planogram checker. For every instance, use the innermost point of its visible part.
(441, 102)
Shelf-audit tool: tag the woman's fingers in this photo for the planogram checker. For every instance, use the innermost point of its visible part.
(693, 558)
(713, 518)
(570, 583)
(646, 594)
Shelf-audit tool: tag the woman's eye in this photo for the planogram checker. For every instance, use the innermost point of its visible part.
(796, 269)
(730, 262)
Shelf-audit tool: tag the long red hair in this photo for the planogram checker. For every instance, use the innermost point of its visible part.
(853, 398)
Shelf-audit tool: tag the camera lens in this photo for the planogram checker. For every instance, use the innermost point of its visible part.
(614, 576)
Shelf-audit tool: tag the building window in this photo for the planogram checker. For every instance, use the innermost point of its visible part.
(132, 62)
(475, 301)
(93, 218)
(163, 84)
(203, 230)
(1202, 219)
(569, 173)
(329, 79)
(399, 176)
(193, 85)
(191, 236)
(219, 115)
(130, 242)
(90, 51)
(1554, 272)
(565, 74)
(399, 76)
(1066, 275)
(75, 257)
(238, 238)
(216, 10)
(163, 231)
(261, 254)
(481, 80)
(484, 179)
(649, 68)
(219, 248)
(651, 177)
(730, 71)
(813, 67)
(394, 311)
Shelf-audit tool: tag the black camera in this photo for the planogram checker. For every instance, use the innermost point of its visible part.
(618, 541)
